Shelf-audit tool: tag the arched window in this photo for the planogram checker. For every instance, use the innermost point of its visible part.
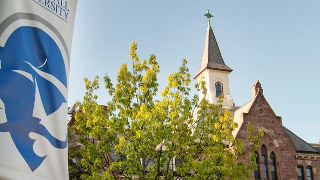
(256, 172)
(219, 89)
(273, 166)
(300, 172)
(309, 173)
(264, 162)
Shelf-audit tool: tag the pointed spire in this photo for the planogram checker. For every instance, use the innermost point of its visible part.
(211, 56)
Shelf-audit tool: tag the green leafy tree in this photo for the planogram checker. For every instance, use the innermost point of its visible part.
(139, 136)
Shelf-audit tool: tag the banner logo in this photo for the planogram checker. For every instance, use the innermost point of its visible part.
(31, 66)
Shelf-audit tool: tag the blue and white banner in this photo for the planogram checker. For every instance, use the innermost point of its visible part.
(35, 44)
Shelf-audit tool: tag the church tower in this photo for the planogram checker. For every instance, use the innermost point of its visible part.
(213, 71)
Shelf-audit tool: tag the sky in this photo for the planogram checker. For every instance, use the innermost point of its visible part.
(276, 42)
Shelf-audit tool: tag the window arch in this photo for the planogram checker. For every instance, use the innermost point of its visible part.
(256, 172)
(264, 162)
(300, 175)
(219, 88)
(309, 173)
(273, 166)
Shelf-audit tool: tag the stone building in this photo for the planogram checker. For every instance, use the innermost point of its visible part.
(282, 155)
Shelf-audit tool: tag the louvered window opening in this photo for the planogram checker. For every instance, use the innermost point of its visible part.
(219, 89)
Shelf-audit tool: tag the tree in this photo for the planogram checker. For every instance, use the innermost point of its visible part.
(137, 135)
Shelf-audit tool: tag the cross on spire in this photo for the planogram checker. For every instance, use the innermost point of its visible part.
(208, 15)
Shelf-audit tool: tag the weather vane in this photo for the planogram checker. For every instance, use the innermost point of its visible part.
(208, 15)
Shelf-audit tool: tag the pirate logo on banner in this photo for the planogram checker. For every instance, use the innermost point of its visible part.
(33, 86)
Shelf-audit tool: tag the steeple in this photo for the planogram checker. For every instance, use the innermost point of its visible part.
(211, 56)
(213, 71)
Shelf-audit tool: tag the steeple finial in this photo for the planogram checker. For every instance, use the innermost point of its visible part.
(256, 89)
(208, 15)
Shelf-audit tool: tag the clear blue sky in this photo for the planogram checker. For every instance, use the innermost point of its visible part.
(274, 41)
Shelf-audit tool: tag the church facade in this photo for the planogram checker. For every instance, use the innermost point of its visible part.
(282, 154)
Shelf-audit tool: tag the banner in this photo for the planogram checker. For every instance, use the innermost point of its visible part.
(35, 44)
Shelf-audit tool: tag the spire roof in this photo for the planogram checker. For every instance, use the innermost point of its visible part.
(211, 56)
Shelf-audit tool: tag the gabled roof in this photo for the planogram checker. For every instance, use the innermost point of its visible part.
(300, 144)
(211, 56)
